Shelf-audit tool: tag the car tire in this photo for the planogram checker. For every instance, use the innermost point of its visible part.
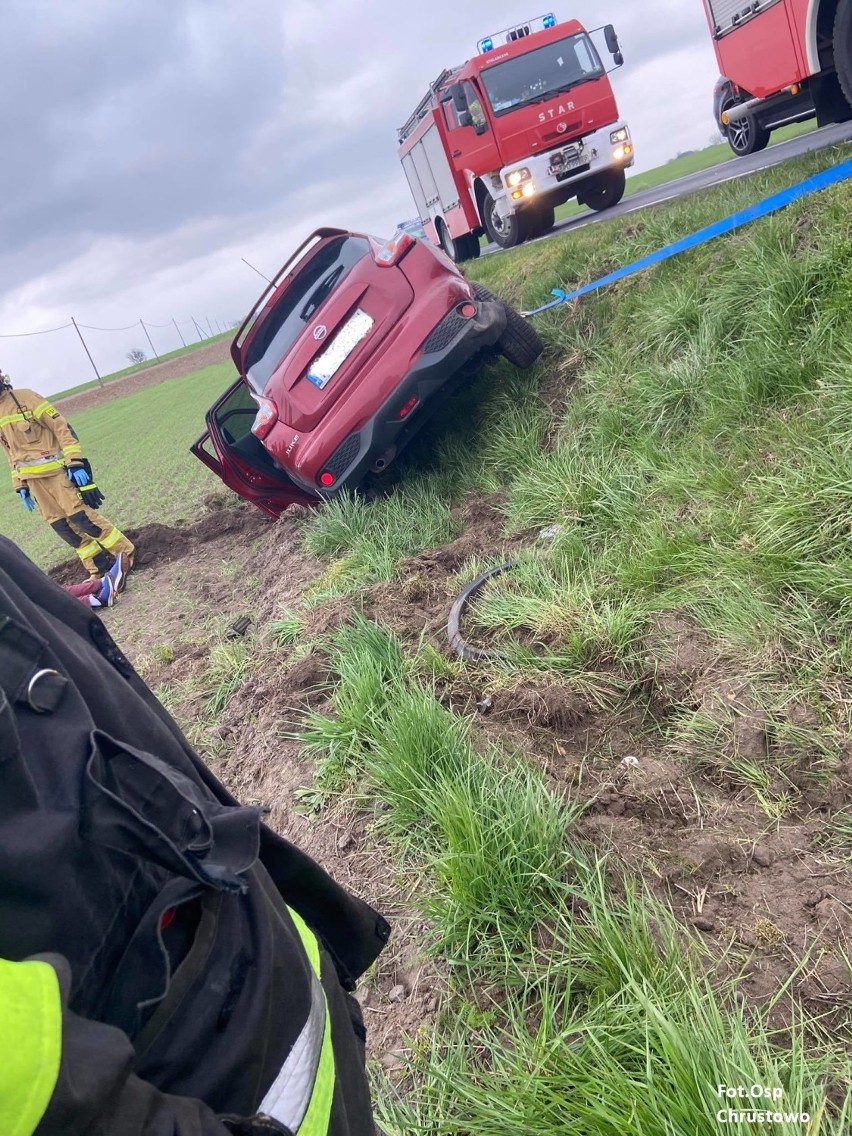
(520, 344)
(842, 39)
(745, 136)
(603, 191)
(503, 231)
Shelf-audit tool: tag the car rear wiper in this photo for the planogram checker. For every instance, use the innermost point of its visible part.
(320, 293)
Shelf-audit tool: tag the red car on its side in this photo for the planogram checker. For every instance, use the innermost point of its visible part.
(342, 359)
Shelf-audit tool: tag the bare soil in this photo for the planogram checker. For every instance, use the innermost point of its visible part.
(760, 892)
(204, 356)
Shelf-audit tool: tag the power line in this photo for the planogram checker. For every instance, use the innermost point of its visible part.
(22, 334)
(87, 327)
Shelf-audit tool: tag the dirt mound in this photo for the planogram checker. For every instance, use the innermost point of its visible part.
(158, 544)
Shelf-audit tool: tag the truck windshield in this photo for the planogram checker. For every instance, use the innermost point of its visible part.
(302, 298)
(539, 75)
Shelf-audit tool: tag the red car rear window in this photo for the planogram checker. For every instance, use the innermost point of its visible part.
(298, 305)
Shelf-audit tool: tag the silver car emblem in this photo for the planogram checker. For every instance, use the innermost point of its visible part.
(320, 332)
(562, 127)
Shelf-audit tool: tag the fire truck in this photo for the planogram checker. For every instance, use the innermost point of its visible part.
(530, 122)
(781, 61)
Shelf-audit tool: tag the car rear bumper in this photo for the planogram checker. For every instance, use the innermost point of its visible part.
(445, 351)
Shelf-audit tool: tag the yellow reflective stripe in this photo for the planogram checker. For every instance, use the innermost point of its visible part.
(30, 1043)
(35, 470)
(309, 940)
(7, 418)
(43, 408)
(72, 450)
(114, 537)
(315, 1122)
(87, 550)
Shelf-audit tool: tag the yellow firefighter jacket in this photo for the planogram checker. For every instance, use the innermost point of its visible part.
(36, 439)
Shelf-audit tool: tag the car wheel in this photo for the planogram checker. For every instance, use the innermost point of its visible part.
(603, 190)
(843, 47)
(520, 344)
(503, 231)
(744, 135)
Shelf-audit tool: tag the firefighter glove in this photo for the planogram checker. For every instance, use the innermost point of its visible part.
(91, 495)
(26, 500)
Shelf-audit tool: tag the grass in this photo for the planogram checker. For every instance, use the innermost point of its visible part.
(572, 1006)
(139, 449)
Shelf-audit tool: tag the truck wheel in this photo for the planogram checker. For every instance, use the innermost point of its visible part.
(843, 47)
(520, 344)
(603, 190)
(449, 244)
(744, 136)
(503, 231)
(471, 246)
(541, 219)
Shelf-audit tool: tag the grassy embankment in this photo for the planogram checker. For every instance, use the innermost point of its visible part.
(689, 430)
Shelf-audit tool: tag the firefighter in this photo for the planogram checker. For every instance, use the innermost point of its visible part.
(50, 472)
(168, 964)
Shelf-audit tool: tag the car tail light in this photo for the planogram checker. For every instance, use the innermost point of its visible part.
(326, 478)
(265, 419)
(407, 407)
(468, 311)
(392, 251)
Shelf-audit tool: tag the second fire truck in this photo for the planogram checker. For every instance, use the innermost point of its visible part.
(530, 122)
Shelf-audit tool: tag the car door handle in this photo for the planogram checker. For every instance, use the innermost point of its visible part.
(456, 153)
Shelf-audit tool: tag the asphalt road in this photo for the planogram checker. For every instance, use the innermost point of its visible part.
(714, 175)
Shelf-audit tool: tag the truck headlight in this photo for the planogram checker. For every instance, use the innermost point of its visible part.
(517, 176)
(621, 153)
(620, 135)
(528, 190)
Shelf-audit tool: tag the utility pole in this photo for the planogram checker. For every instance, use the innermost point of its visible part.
(88, 352)
(198, 329)
(148, 337)
(177, 329)
(210, 325)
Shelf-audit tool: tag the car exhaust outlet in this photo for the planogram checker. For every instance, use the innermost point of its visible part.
(383, 460)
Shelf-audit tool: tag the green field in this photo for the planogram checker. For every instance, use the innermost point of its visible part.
(138, 447)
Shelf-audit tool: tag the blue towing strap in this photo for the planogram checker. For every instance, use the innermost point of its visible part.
(777, 201)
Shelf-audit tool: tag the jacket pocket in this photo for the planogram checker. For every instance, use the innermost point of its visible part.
(133, 802)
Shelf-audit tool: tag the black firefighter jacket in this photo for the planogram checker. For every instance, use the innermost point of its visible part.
(169, 904)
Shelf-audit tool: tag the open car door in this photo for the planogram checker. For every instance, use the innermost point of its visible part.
(230, 449)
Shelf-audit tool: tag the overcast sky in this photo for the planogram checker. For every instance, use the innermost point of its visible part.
(147, 148)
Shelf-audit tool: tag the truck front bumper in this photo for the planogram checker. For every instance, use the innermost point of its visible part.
(564, 165)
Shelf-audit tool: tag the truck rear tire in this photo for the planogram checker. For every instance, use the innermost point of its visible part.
(503, 231)
(603, 190)
(745, 136)
(458, 249)
(843, 47)
(520, 344)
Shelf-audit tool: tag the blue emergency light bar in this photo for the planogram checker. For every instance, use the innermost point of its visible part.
(540, 23)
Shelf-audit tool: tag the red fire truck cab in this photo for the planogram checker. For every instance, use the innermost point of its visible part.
(496, 144)
(781, 61)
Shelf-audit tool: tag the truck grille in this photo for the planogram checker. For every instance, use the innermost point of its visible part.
(342, 457)
(555, 135)
(445, 332)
